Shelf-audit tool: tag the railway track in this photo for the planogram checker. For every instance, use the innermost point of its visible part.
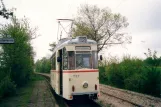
(129, 97)
(114, 96)
(121, 100)
(82, 102)
(79, 102)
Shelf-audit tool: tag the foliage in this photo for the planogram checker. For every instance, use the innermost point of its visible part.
(36, 77)
(5, 13)
(152, 59)
(16, 60)
(101, 25)
(52, 45)
(7, 86)
(153, 63)
(22, 96)
(132, 74)
(43, 65)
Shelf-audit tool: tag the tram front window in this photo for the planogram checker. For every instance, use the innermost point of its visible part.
(83, 60)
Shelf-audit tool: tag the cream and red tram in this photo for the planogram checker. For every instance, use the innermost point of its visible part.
(75, 68)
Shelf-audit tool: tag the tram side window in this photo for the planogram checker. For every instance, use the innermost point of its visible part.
(54, 63)
(95, 59)
(65, 59)
(71, 60)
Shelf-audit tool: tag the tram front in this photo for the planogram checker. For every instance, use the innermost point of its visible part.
(81, 76)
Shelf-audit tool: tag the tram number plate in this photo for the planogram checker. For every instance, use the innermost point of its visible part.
(76, 76)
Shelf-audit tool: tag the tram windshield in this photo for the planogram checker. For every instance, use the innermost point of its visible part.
(83, 60)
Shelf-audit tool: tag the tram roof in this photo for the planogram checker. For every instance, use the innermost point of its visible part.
(68, 41)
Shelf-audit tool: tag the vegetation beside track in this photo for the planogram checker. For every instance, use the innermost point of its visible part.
(143, 76)
(22, 95)
(43, 65)
(16, 60)
(139, 75)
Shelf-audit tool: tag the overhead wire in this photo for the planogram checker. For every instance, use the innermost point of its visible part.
(120, 3)
(72, 22)
(69, 8)
(63, 28)
(58, 32)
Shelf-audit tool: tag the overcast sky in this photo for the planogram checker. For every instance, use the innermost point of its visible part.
(144, 17)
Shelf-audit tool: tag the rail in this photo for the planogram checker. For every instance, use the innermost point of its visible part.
(133, 98)
(65, 103)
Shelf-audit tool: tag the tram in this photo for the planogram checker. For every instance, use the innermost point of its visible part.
(74, 72)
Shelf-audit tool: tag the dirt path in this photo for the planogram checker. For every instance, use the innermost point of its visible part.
(41, 96)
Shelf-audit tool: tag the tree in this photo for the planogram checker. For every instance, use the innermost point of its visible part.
(154, 74)
(5, 13)
(52, 45)
(43, 65)
(152, 59)
(101, 25)
(17, 58)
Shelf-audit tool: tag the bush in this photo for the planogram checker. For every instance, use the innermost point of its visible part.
(135, 82)
(132, 74)
(115, 76)
(102, 75)
(7, 87)
(153, 83)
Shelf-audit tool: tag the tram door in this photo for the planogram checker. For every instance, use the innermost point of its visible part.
(60, 73)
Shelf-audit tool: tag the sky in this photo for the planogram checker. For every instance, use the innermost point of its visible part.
(144, 17)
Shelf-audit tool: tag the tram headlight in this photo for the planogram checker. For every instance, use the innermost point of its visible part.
(85, 85)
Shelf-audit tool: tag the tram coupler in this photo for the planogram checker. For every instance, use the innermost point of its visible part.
(93, 96)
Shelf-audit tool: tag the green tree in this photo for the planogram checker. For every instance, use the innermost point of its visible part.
(43, 65)
(152, 59)
(101, 25)
(17, 58)
(154, 74)
(133, 74)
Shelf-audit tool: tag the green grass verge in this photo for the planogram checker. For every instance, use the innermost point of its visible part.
(23, 94)
(36, 77)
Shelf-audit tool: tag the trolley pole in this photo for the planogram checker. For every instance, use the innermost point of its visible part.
(69, 34)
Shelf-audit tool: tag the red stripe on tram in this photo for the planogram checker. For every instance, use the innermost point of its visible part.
(75, 71)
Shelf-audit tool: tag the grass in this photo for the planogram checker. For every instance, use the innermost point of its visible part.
(36, 77)
(23, 94)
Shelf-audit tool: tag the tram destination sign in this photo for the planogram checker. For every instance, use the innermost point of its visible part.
(6, 41)
(82, 48)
